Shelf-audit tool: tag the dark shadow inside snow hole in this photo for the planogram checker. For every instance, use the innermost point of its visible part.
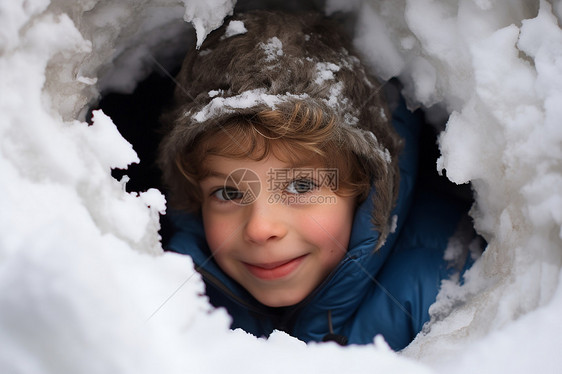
(136, 116)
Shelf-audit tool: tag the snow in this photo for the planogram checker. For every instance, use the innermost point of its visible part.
(235, 28)
(84, 284)
(247, 99)
(207, 15)
(105, 138)
(273, 49)
(325, 71)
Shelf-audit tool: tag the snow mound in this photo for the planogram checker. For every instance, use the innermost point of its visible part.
(84, 284)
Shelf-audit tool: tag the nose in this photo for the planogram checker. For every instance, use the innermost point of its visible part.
(264, 222)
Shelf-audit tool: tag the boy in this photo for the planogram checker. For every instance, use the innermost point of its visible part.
(298, 192)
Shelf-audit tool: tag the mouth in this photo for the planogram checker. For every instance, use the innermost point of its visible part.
(274, 270)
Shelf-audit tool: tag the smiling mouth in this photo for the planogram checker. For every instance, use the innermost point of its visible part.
(274, 270)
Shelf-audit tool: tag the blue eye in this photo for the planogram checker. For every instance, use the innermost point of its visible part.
(300, 186)
(228, 194)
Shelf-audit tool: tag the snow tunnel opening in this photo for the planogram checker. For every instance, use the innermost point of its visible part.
(136, 115)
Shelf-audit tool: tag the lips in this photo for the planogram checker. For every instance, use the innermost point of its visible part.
(274, 270)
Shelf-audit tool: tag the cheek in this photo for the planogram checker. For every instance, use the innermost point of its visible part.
(217, 231)
(338, 225)
(214, 237)
(330, 233)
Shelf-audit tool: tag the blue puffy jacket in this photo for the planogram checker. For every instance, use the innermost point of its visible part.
(387, 292)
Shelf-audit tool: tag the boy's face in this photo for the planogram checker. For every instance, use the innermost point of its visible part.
(275, 230)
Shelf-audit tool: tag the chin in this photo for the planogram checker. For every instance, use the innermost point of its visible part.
(278, 301)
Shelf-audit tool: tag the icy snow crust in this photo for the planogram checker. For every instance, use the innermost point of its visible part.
(84, 285)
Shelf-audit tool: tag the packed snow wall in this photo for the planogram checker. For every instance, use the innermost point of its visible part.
(84, 284)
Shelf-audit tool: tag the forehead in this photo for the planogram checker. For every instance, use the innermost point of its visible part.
(271, 165)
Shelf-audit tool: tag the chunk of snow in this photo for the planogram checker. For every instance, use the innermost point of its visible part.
(273, 49)
(247, 99)
(235, 28)
(207, 16)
